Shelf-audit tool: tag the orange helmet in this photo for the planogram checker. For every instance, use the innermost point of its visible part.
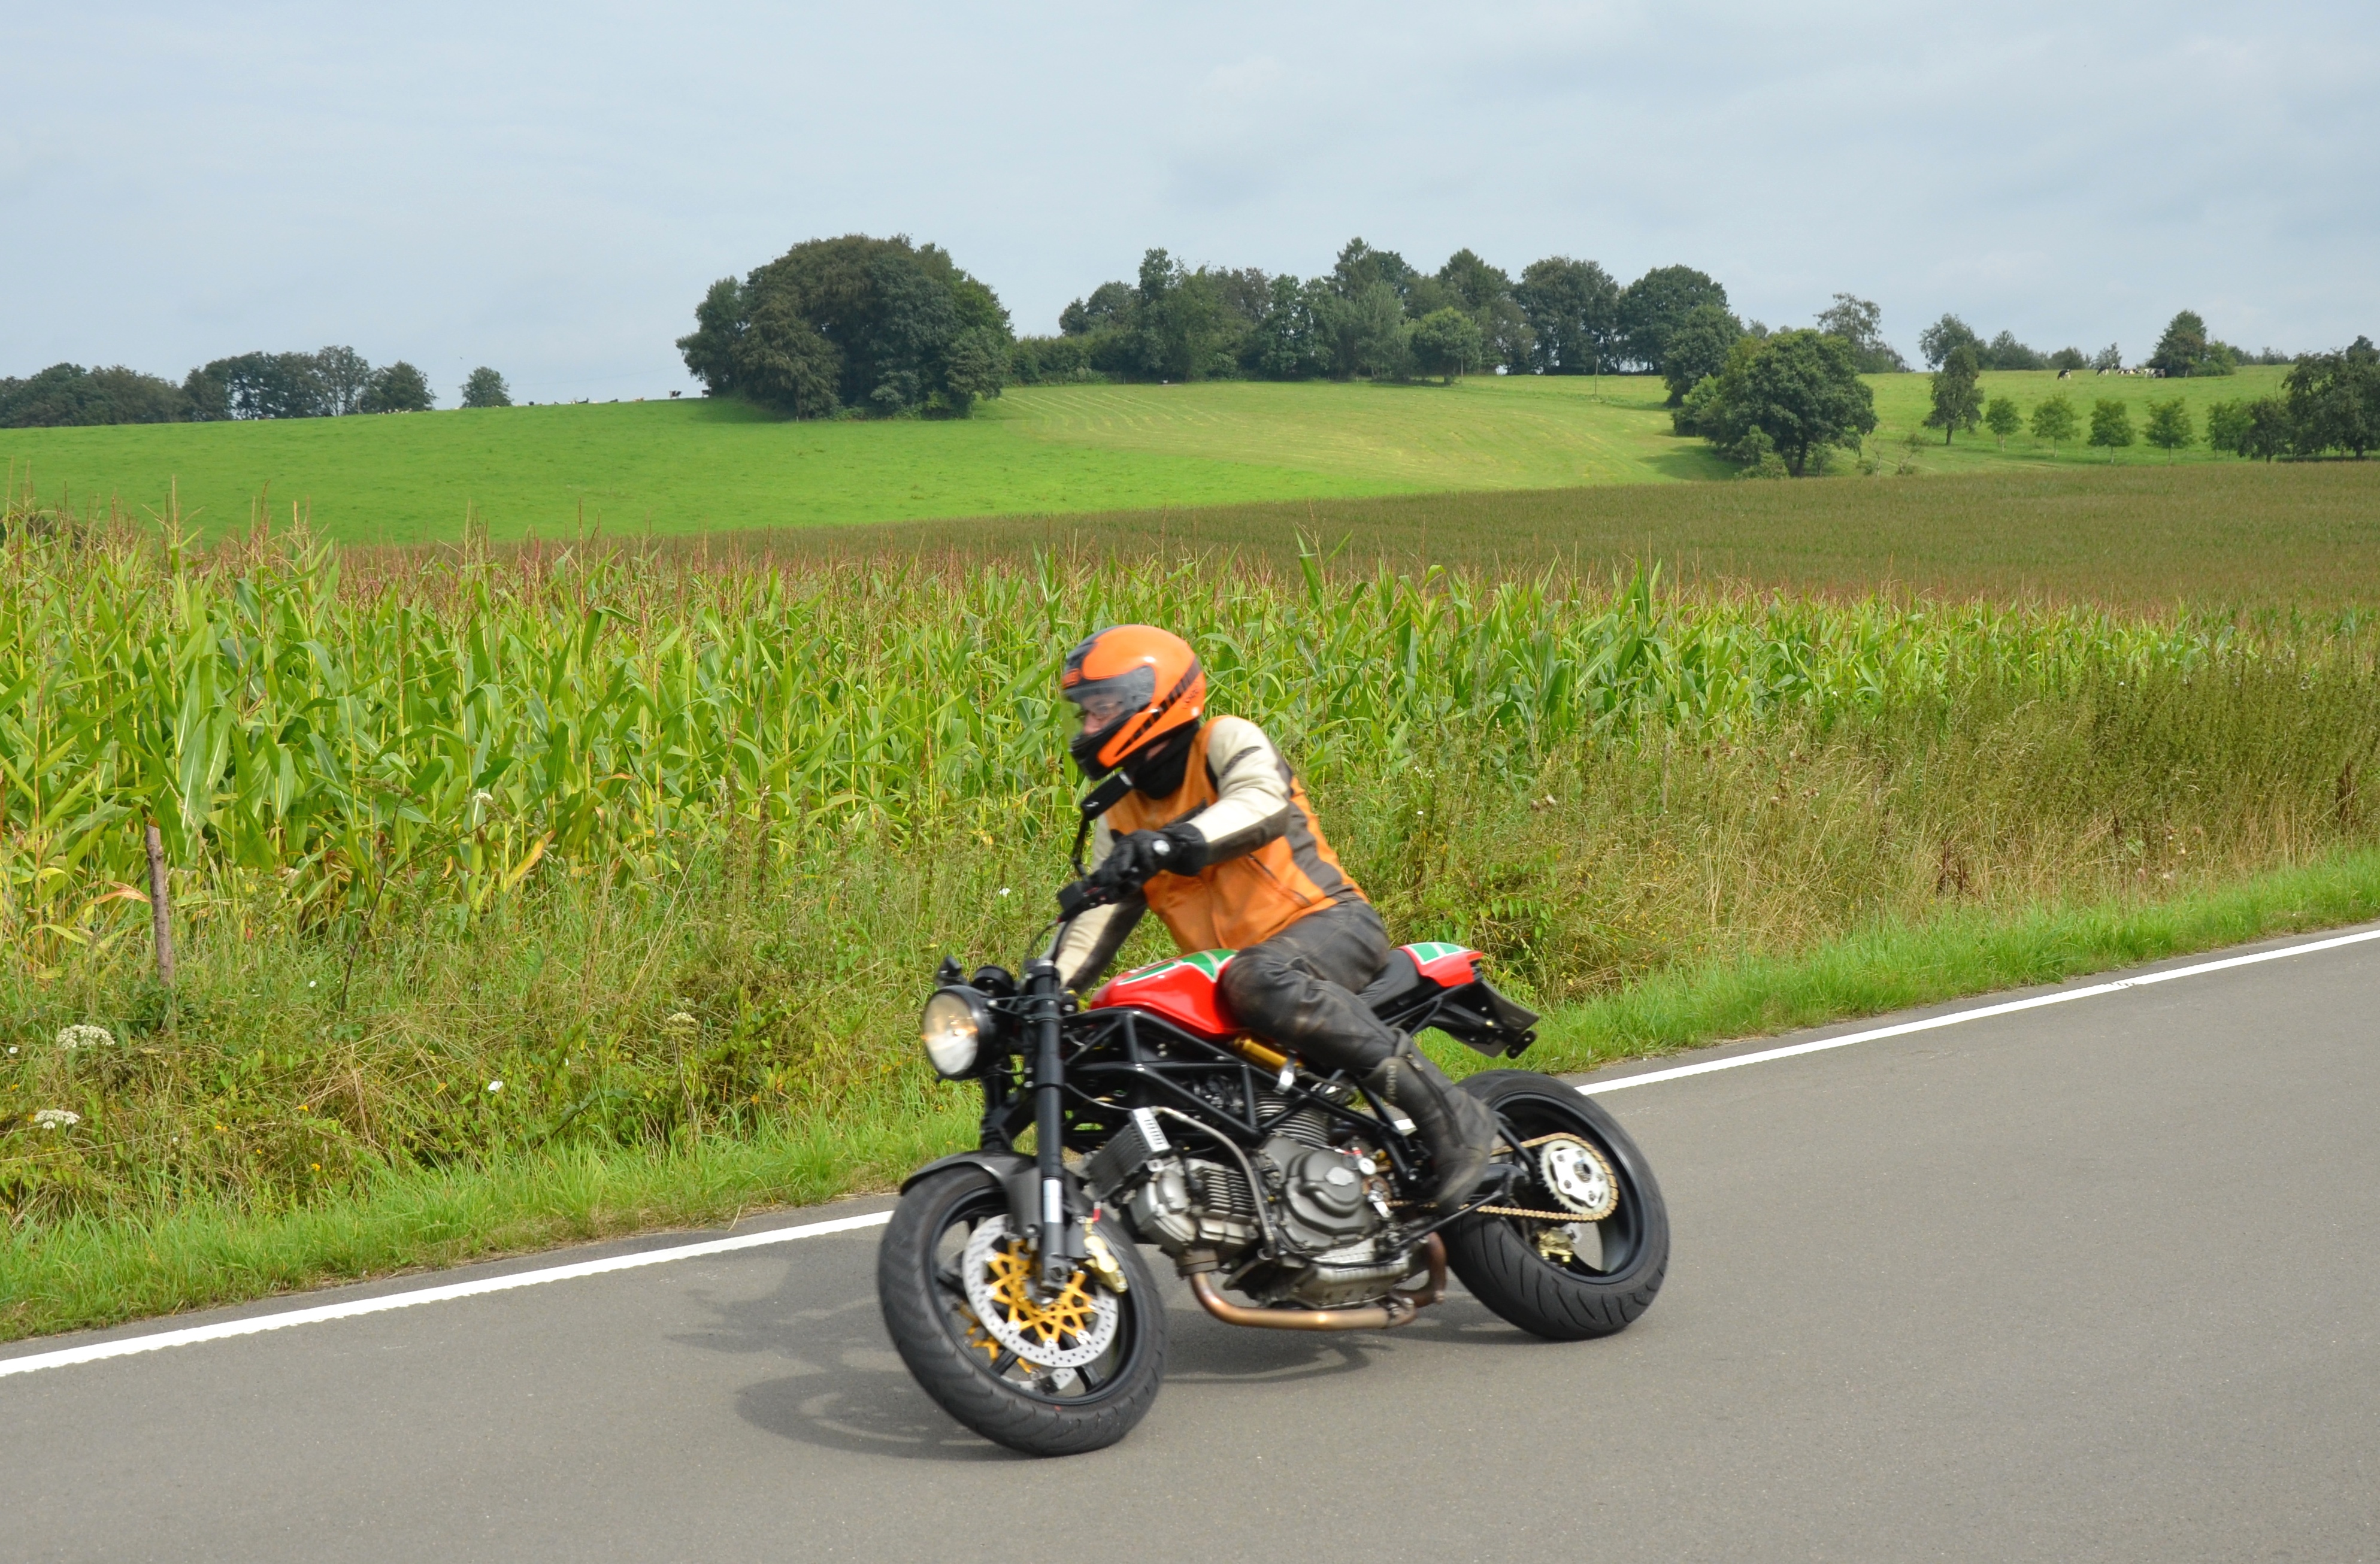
(1134, 683)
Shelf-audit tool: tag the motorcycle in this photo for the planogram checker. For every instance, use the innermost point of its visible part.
(1013, 1283)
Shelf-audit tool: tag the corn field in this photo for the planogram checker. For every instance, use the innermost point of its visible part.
(481, 852)
(466, 724)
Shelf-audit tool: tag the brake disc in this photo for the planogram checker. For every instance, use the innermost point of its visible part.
(1069, 1331)
(1574, 1171)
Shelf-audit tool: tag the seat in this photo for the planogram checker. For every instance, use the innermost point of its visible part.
(1396, 985)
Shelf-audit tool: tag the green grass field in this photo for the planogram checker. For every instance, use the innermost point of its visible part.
(677, 468)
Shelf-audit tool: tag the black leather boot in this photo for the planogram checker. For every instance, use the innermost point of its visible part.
(1457, 1127)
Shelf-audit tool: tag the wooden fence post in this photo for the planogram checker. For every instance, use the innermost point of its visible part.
(160, 916)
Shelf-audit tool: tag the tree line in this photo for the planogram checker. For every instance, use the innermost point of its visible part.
(2328, 402)
(2185, 349)
(332, 383)
(1780, 403)
(1374, 314)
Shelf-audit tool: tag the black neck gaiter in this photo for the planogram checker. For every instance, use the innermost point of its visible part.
(1157, 768)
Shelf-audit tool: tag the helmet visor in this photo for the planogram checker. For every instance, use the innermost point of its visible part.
(1106, 702)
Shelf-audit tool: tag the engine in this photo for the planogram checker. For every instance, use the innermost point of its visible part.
(1326, 1207)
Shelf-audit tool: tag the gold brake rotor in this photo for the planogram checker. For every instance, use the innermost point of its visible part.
(1063, 1319)
(1071, 1328)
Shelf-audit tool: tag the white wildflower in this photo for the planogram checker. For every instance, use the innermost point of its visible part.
(680, 1021)
(81, 1037)
(1004, 890)
(494, 1086)
(58, 1118)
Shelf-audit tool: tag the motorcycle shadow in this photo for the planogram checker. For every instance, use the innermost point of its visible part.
(852, 1392)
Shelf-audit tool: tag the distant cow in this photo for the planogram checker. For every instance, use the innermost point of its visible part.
(2065, 374)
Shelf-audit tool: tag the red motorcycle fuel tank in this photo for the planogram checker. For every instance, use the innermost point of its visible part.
(1182, 990)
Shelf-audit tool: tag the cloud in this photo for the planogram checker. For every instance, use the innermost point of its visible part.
(549, 188)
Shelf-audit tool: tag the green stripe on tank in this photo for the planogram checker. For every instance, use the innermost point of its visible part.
(1429, 951)
(1212, 962)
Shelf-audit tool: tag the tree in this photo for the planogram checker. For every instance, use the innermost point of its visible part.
(2004, 352)
(2333, 400)
(2268, 431)
(1698, 348)
(1935, 343)
(720, 322)
(485, 388)
(344, 377)
(2111, 425)
(1657, 304)
(2002, 418)
(1360, 266)
(1108, 304)
(779, 359)
(1800, 391)
(2110, 358)
(1572, 312)
(262, 386)
(1958, 401)
(1288, 343)
(2054, 419)
(976, 367)
(400, 388)
(1486, 294)
(1449, 343)
(853, 322)
(2168, 428)
(2227, 426)
(2182, 350)
(69, 393)
(1378, 336)
(2069, 359)
(1183, 326)
(1859, 322)
(206, 397)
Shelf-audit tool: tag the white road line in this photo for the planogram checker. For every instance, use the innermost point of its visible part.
(256, 1324)
(1982, 1012)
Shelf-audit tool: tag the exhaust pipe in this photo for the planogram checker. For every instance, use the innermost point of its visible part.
(1399, 1310)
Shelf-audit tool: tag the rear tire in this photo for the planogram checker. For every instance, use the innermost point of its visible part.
(1504, 1260)
(925, 1310)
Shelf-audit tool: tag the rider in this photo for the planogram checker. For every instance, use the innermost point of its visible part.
(1216, 834)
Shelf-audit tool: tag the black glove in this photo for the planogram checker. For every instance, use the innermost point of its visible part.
(1130, 862)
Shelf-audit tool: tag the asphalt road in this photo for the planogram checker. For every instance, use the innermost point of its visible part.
(2099, 1281)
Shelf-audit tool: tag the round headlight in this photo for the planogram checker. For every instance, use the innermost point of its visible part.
(952, 1029)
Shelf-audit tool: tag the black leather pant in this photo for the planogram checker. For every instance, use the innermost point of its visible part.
(1298, 987)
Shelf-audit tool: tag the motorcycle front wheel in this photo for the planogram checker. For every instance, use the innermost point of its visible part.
(1044, 1377)
(1542, 1257)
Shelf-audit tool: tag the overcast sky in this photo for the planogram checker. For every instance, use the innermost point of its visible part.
(547, 188)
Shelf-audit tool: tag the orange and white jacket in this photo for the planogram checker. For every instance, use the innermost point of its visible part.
(1267, 861)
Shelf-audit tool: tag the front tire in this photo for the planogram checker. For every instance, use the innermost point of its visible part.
(967, 1369)
(1565, 1281)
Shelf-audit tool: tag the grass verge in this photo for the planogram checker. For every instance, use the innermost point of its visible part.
(90, 1272)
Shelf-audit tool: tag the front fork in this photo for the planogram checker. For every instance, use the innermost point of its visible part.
(1059, 1234)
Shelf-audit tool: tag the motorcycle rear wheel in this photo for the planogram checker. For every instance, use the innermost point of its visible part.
(1517, 1266)
(999, 1395)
